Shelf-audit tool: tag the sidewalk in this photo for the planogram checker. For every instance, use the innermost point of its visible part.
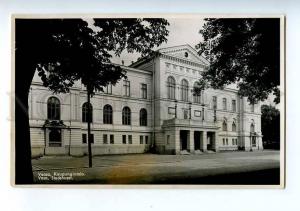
(158, 169)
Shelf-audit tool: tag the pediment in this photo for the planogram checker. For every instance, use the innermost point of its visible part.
(184, 52)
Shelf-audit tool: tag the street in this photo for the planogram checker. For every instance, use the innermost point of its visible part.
(241, 168)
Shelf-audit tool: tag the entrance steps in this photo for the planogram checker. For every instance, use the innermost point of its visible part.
(198, 152)
(184, 152)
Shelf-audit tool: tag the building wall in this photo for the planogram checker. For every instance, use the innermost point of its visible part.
(161, 134)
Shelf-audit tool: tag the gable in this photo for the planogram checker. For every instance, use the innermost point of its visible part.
(184, 52)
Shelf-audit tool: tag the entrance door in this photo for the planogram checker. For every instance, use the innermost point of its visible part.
(197, 140)
(183, 139)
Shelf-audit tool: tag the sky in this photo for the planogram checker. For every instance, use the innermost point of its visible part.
(181, 31)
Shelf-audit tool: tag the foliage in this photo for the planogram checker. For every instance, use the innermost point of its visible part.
(270, 124)
(68, 50)
(245, 51)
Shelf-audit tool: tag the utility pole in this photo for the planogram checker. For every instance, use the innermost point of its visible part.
(89, 119)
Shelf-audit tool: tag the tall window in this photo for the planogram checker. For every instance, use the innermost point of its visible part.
(224, 126)
(184, 90)
(126, 116)
(129, 139)
(252, 107)
(214, 102)
(233, 105)
(144, 91)
(108, 89)
(124, 139)
(105, 139)
(252, 128)
(53, 108)
(171, 87)
(143, 117)
(126, 86)
(85, 115)
(197, 96)
(107, 114)
(233, 127)
(224, 104)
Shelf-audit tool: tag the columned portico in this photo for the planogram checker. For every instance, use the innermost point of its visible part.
(203, 144)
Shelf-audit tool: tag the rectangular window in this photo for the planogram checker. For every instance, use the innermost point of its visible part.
(105, 139)
(124, 139)
(126, 85)
(168, 139)
(215, 102)
(226, 141)
(146, 139)
(141, 139)
(92, 138)
(144, 91)
(185, 114)
(108, 89)
(112, 140)
(252, 107)
(223, 141)
(236, 142)
(224, 104)
(129, 139)
(84, 138)
(233, 105)
(233, 142)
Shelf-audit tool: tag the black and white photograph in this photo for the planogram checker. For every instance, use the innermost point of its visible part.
(160, 100)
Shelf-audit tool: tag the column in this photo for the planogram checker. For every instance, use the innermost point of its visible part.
(177, 141)
(216, 141)
(190, 143)
(203, 144)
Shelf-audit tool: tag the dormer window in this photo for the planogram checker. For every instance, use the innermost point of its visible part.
(186, 54)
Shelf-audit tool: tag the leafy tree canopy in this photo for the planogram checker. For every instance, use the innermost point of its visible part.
(270, 123)
(67, 50)
(242, 51)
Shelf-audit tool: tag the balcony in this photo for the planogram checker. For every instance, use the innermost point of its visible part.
(189, 123)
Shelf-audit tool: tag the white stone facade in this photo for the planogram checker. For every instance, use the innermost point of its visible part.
(172, 125)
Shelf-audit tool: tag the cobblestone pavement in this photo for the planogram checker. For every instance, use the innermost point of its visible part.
(260, 167)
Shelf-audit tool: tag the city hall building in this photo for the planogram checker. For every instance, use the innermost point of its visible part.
(154, 109)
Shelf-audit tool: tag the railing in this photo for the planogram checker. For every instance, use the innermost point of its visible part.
(188, 122)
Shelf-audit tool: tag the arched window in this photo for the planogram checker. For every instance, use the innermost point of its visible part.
(126, 116)
(107, 114)
(233, 126)
(197, 96)
(85, 115)
(184, 90)
(224, 126)
(143, 117)
(252, 128)
(171, 83)
(53, 108)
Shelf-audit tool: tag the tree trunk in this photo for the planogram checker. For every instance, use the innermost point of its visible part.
(23, 77)
(89, 128)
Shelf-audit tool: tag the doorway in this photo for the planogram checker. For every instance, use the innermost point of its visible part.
(183, 139)
(197, 140)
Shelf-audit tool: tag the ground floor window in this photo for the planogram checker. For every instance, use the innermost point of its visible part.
(112, 139)
(141, 139)
(130, 139)
(55, 137)
(105, 139)
(146, 139)
(124, 139)
(254, 141)
(84, 138)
